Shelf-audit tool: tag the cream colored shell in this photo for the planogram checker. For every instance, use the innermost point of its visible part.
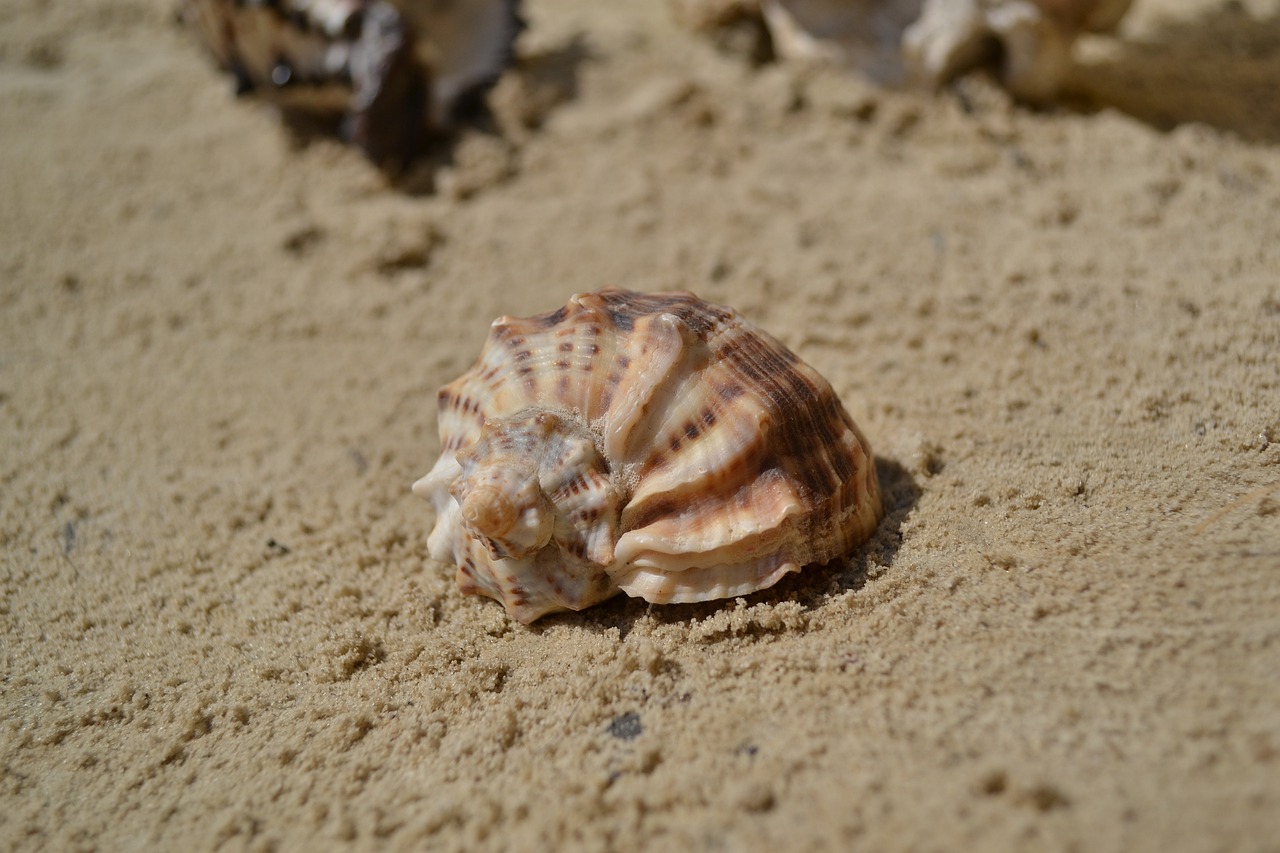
(653, 444)
(1035, 39)
(926, 41)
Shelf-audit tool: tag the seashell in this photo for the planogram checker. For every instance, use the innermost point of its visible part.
(651, 444)
(928, 41)
(394, 71)
(1032, 38)
(862, 34)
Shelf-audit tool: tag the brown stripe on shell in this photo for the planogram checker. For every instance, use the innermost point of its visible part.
(743, 361)
(625, 307)
(552, 318)
(813, 421)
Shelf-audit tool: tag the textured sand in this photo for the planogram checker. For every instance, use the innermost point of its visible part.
(219, 346)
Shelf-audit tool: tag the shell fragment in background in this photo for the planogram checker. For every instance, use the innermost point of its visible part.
(394, 72)
(929, 42)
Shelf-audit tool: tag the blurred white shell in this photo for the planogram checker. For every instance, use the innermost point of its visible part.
(395, 69)
(653, 444)
(928, 41)
(1034, 39)
(863, 34)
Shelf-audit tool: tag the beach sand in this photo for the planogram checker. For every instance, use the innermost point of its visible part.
(220, 342)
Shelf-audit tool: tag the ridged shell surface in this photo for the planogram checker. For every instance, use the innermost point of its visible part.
(653, 444)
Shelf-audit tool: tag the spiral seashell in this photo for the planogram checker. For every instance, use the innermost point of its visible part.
(652, 444)
(394, 69)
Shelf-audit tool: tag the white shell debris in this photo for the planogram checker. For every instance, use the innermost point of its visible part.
(924, 41)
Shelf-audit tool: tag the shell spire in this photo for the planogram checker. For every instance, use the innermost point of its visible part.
(652, 444)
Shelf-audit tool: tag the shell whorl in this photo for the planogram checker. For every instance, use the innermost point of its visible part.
(489, 512)
(679, 454)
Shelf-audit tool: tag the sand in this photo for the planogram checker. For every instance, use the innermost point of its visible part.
(219, 346)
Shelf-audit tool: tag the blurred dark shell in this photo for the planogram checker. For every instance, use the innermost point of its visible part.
(393, 73)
